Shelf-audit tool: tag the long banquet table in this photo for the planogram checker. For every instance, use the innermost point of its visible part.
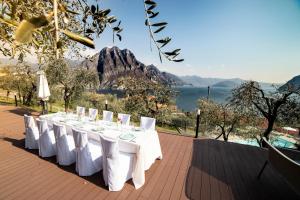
(129, 138)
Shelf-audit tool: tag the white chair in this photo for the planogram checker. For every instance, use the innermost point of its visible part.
(147, 123)
(125, 118)
(80, 111)
(93, 113)
(88, 154)
(108, 115)
(32, 133)
(64, 145)
(47, 146)
(117, 166)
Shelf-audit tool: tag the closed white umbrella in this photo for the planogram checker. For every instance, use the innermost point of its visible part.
(43, 88)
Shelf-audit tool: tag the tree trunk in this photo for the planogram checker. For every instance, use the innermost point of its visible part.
(29, 97)
(269, 129)
(7, 95)
(67, 103)
(225, 138)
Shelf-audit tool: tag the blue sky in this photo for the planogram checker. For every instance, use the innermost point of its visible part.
(249, 39)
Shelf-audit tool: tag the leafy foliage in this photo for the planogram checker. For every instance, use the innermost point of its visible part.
(22, 79)
(225, 118)
(269, 105)
(72, 81)
(155, 28)
(51, 28)
(144, 97)
(29, 25)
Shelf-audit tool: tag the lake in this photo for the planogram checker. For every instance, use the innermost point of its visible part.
(187, 97)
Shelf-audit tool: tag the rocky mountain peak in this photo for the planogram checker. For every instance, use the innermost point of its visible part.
(113, 63)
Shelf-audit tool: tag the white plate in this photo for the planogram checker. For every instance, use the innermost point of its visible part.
(128, 136)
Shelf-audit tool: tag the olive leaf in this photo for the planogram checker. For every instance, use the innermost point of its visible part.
(89, 31)
(179, 60)
(147, 22)
(24, 31)
(173, 53)
(160, 29)
(59, 44)
(112, 21)
(150, 12)
(154, 15)
(93, 9)
(78, 38)
(148, 2)
(159, 24)
(152, 7)
(105, 12)
(119, 36)
(41, 20)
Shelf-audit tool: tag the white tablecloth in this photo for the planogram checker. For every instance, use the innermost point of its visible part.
(147, 141)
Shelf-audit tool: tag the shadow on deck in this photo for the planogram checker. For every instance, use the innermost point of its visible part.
(222, 170)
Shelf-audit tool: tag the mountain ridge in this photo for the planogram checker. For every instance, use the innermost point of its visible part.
(113, 63)
(197, 81)
(295, 82)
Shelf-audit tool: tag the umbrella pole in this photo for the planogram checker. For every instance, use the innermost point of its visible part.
(46, 107)
(43, 107)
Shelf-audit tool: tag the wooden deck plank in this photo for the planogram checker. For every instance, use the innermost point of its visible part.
(170, 172)
(205, 185)
(155, 179)
(205, 169)
(196, 174)
(219, 171)
(178, 186)
(128, 189)
(166, 150)
(215, 191)
(167, 190)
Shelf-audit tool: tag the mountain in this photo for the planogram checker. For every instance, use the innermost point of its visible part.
(295, 82)
(114, 63)
(228, 83)
(198, 81)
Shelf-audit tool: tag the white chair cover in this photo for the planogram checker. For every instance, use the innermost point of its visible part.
(80, 111)
(93, 113)
(148, 123)
(47, 146)
(125, 118)
(32, 133)
(88, 154)
(117, 166)
(108, 115)
(64, 145)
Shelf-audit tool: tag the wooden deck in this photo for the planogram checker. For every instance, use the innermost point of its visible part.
(191, 169)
